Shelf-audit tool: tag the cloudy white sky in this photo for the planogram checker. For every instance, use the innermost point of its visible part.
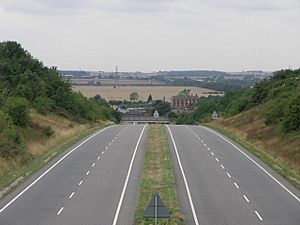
(149, 35)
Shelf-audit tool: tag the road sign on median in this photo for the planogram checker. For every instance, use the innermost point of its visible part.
(156, 208)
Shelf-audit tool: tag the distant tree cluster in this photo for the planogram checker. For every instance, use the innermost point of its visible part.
(134, 96)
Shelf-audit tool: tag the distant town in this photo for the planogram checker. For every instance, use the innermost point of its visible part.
(216, 80)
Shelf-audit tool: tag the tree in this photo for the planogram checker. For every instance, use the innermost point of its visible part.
(162, 107)
(18, 110)
(149, 98)
(44, 104)
(291, 116)
(134, 96)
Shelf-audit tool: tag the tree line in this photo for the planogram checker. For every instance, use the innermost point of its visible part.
(279, 98)
(25, 84)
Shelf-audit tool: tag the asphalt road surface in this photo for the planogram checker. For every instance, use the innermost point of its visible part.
(95, 183)
(221, 184)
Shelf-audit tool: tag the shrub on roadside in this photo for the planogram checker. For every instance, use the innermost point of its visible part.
(18, 110)
(44, 105)
(10, 139)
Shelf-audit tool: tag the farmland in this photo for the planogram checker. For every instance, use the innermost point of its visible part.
(123, 92)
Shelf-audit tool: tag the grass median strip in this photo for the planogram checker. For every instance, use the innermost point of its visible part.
(158, 177)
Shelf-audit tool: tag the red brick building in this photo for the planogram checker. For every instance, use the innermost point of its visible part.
(182, 103)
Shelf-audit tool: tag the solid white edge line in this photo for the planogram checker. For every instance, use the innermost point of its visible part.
(258, 215)
(127, 178)
(61, 209)
(47, 171)
(253, 161)
(184, 179)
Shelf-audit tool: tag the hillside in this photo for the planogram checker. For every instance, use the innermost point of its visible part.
(39, 111)
(266, 117)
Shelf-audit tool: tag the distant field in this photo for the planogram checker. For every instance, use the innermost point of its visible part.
(119, 82)
(123, 92)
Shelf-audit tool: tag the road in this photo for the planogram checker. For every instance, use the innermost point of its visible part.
(221, 184)
(94, 183)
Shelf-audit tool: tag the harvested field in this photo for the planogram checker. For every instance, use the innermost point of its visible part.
(123, 92)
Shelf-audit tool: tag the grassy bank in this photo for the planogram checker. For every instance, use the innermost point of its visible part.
(158, 177)
(50, 136)
(281, 152)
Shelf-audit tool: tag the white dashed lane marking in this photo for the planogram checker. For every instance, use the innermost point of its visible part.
(71, 195)
(237, 186)
(245, 197)
(80, 183)
(98, 157)
(87, 173)
(61, 209)
(258, 215)
(93, 164)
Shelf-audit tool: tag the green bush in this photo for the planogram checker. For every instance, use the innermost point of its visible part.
(44, 105)
(291, 114)
(273, 111)
(10, 139)
(18, 110)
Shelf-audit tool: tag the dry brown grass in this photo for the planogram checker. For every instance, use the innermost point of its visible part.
(38, 139)
(6, 165)
(62, 129)
(250, 126)
(123, 92)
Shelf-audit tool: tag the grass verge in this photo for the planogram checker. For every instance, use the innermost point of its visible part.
(158, 177)
(281, 167)
(21, 172)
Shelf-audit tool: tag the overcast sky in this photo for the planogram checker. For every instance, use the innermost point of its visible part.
(149, 35)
